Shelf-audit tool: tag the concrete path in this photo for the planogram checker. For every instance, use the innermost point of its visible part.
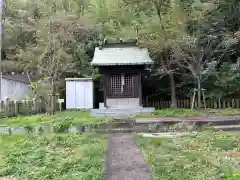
(124, 160)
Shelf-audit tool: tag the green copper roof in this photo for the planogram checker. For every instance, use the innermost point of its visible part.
(112, 56)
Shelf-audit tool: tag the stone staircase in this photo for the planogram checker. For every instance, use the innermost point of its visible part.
(121, 111)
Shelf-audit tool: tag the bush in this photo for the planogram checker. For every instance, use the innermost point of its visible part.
(62, 124)
(29, 129)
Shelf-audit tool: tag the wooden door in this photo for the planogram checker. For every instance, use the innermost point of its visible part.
(122, 85)
(128, 86)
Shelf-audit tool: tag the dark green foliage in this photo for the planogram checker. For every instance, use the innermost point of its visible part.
(29, 129)
(158, 24)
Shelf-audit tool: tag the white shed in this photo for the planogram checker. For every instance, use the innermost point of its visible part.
(79, 93)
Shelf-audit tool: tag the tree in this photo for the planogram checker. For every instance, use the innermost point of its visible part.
(163, 27)
(201, 51)
(201, 59)
(194, 39)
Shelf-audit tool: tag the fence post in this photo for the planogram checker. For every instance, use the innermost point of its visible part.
(37, 105)
(2, 106)
(27, 106)
(23, 107)
(228, 103)
(215, 104)
(60, 102)
(204, 99)
(233, 103)
(16, 107)
(219, 103)
(6, 105)
(237, 103)
(193, 99)
(34, 105)
(56, 101)
(224, 104)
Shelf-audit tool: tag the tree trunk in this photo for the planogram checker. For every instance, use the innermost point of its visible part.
(173, 91)
(52, 97)
(199, 92)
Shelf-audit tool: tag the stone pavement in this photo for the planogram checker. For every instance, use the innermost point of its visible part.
(124, 160)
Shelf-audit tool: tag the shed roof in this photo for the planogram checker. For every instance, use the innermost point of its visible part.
(78, 79)
(128, 55)
(19, 78)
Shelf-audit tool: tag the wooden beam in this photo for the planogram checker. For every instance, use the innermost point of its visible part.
(140, 88)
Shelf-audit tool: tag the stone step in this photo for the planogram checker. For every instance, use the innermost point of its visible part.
(228, 128)
(121, 112)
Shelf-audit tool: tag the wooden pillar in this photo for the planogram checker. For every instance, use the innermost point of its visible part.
(105, 89)
(140, 88)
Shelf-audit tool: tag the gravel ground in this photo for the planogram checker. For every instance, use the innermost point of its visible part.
(124, 160)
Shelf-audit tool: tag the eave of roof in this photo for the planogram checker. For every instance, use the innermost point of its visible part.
(19, 78)
(117, 56)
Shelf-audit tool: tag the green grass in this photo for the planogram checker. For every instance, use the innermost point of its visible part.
(178, 112)
(60, 157)
(84, 117)
(229, 111)
(71, 117)
(208, 156)
(6, 142)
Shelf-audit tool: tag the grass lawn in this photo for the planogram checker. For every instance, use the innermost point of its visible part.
(60, 157)
(188, 112)
(208, 156)
(72, 117)
(84, 117)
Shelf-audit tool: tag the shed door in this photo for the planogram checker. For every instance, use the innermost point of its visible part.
(88, 101)
(70, 95)
(80, 94)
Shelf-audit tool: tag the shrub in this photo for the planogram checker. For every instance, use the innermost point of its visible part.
(29, 129)
(62, 124)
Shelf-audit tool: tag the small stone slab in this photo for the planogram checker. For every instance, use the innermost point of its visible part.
(124, 160)
(167, 135)
(228, 128)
